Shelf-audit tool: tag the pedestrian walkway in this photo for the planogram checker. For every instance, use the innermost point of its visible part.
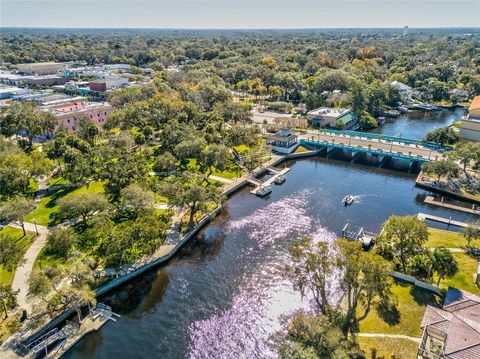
(220, 179)
(393, 336)
(23, 271)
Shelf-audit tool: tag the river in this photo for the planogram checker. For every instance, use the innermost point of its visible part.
(226, 293)
(416, 124)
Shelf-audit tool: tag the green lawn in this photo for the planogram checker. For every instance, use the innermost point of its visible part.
(44, 214)
(6, 277)
(406, 318)
(388, 347)
(44, 259)
(301, 149)
(242, 148)
(448, 239)
(465, 277)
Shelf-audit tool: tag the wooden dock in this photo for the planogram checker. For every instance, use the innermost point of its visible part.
(259, 185)
(447, 221)
(431, 200)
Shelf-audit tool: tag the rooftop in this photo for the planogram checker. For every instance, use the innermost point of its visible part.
(400, 85)
(329, 111)
(459, 321)
(475, 105)
(73, 107)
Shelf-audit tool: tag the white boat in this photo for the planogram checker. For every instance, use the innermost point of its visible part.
(280, 179)
(347, 200)
(264, 191)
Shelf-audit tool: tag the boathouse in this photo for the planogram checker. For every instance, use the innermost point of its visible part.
(284, 141)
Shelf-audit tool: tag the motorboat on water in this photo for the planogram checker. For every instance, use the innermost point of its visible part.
(347, 200)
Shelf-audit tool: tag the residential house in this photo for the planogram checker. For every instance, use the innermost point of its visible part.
(470, 125)
(453, 331)
(405, 91)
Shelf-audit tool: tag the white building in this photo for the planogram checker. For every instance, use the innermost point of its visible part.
(284, 141)
(470, 125)
(405, 91)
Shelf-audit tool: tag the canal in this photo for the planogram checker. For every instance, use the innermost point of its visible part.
(226, 293)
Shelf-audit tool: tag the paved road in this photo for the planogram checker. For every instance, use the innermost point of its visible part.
(383, 145)
(23, 272)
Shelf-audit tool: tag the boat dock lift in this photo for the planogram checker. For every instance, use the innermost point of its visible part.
(262, 188)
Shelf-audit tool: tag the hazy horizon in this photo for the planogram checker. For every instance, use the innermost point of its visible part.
(239, 14)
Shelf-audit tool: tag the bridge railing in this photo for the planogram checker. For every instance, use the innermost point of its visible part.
(431, 145)
(374, 151)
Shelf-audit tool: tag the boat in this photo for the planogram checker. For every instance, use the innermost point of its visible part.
(392, 113)
(402, 109)
(425, 106)
(264, 191)
(380, 120)
(280, 179)
(347, 200)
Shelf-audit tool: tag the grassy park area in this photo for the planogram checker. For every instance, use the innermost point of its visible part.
(388, 347)
(6, 277)
(45, 212)
(407, 316)
(301, 149)
(465, 277)
(447, 239)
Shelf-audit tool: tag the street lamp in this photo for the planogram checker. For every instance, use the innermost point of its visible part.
(35, 222)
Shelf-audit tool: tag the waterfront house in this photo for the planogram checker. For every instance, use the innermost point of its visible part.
(284, 141)
(470, 125)
(328, 117)
(452, 331)
(405, 91)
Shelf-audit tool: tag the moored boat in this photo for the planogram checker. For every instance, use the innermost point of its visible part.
(280, 179)
(264, 191)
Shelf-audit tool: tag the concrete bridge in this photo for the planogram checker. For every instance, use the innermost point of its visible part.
(382, 146)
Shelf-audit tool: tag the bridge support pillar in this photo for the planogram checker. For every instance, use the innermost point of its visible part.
(383, 161)
(355, 156)
(411, 166)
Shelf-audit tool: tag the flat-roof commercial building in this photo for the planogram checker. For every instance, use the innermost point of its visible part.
(40, 68)
(328, 117)
(31, 80)
(470, 125)
(69, 113)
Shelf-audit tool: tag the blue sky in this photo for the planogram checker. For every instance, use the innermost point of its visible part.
(239, 13)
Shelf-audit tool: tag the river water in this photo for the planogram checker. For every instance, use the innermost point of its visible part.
(417, 124)
(226, 293)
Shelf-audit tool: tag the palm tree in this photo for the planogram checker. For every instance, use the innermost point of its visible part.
(444, 263)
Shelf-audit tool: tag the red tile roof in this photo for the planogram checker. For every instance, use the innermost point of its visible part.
(475, 103)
